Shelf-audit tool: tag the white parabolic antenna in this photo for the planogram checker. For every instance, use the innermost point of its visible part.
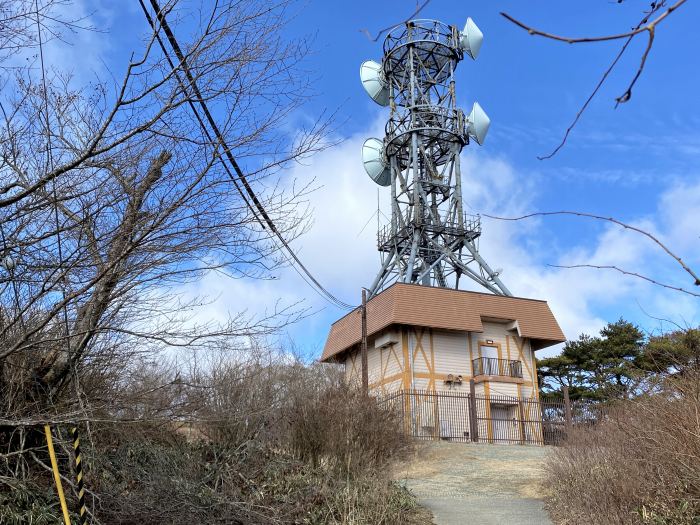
(373, 81)
(471, 40)
(373, 160)
(478, 124)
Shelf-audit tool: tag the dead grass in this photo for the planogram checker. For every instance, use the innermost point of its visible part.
(641, 465)
(271, 445)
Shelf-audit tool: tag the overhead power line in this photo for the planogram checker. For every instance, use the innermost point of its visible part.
(249, 197)
(50, 167)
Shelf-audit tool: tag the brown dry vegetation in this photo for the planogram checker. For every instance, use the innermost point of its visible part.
(115, 198)
(640, 465)
(252, 442)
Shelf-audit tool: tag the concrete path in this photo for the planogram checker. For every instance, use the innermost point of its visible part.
(465, 484)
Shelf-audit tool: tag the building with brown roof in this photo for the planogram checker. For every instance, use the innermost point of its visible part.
(435, 340)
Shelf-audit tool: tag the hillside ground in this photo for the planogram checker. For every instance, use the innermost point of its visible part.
(485, 484)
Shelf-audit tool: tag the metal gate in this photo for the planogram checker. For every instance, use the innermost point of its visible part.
(455, 416)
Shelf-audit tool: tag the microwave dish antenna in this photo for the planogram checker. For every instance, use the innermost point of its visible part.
(478, 123)
(430, 240)
(373, 81)
(471, 38)
(375, 165)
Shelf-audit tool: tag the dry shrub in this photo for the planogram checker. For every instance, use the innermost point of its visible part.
(640, 465)
(343, 428)
(306, 411)
(247, 442)
(323, 464)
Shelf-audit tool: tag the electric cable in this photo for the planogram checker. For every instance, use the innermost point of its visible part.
(299, 267)
(211, 140)
(49, 158)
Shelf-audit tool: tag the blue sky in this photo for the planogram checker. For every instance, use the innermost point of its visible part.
(638, 163)
(617, 162)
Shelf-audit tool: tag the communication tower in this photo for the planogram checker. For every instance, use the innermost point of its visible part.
(430, 240)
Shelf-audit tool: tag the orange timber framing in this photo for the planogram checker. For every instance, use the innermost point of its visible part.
(423, 355)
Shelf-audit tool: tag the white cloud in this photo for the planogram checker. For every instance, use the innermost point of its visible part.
(76, 37)
(679, 210)
(340, 249)
(343, 256)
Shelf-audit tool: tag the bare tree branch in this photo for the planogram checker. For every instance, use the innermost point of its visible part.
(625, 272)
(570, 40)
(142, 205)
(587, 102)
(644, 26)
(696, 279)
(662, 319)
(382, 31)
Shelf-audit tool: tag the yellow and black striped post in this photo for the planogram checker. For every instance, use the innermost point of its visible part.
(79, 475)
(56, 474)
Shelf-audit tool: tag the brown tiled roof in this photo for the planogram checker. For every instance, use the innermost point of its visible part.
(444, 308)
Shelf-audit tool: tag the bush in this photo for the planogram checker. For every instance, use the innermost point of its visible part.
(640, 465)
(28, 503)
(345, 429)
(260, 444)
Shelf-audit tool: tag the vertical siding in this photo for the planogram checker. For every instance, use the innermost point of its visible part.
(391, 359)
(374, 363)
(452, 353)
(385, 367)
(420, 353)
(423, 358)
(452, 357)
(382, 363)
(503, 389)
(522, 350)
(495, 332)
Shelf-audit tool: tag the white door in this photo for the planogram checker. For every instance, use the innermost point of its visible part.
(503, 423)
(485, 366)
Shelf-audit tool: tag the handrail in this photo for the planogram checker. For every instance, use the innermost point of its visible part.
(490, 366)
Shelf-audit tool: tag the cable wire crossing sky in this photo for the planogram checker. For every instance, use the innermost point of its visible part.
(613, 164)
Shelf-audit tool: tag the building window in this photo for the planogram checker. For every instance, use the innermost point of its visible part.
(488, 351)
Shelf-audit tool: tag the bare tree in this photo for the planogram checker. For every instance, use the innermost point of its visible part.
(18, 20)
(626, 226)
(657, 13)
(112, 197)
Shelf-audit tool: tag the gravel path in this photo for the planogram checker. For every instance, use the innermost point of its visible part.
(478, 484)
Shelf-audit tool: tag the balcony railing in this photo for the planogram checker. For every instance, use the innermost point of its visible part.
(489, 366)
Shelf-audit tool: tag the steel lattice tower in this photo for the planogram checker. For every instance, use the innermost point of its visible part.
(430, 240)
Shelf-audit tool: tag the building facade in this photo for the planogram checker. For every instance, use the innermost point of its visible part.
(442, 345)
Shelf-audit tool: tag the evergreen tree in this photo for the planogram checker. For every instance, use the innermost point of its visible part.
(603, 367)
(619, 362)
(673, 352)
